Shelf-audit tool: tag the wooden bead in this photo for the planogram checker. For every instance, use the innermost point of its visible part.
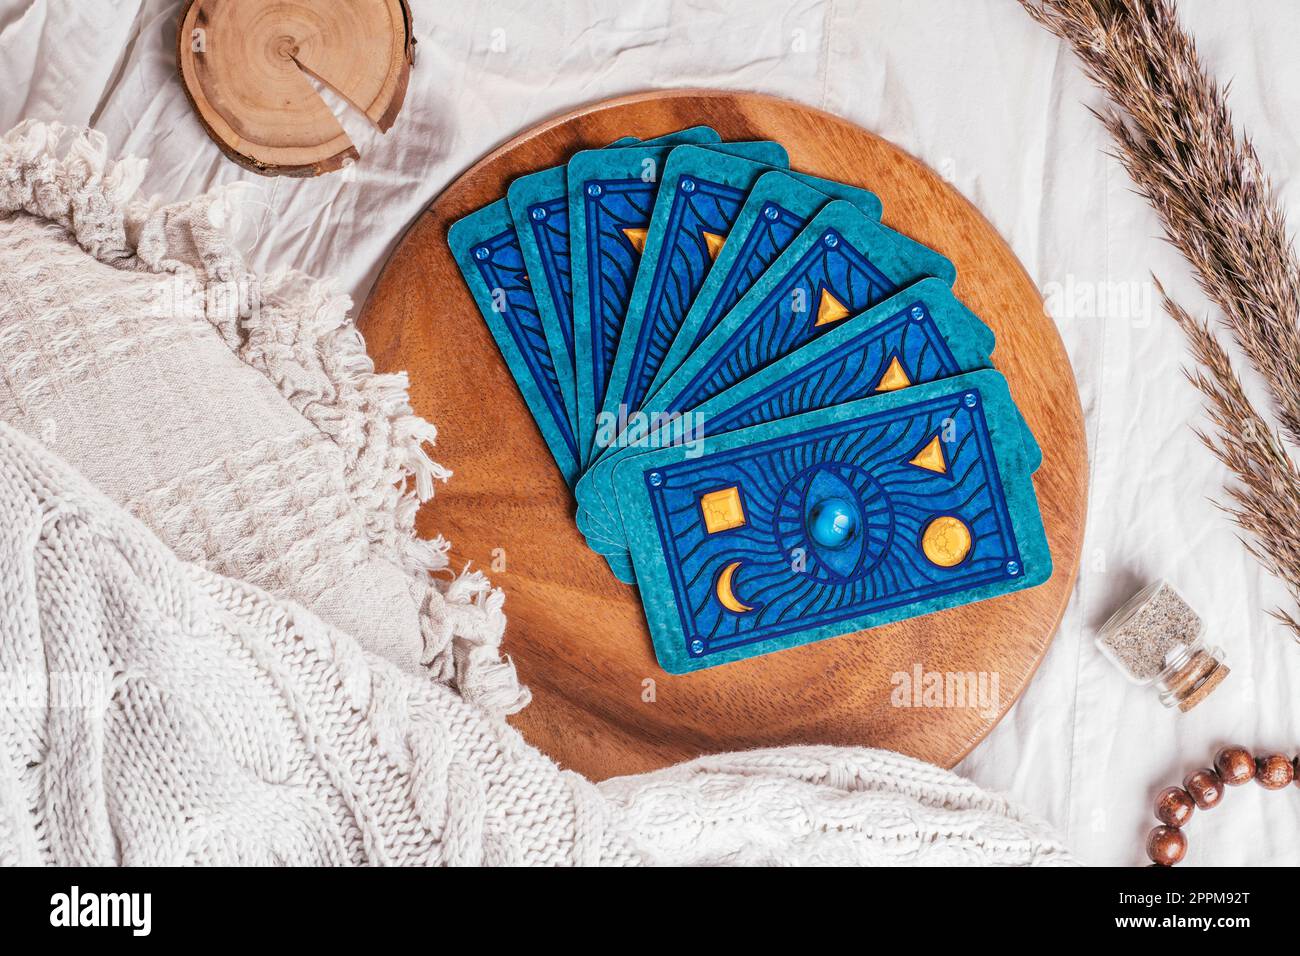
(1235, 765)
(1274, 772)
(1166, 845)
(1205, 788)
(1174, 806)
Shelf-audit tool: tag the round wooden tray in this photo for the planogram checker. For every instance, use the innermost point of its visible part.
(601, 704)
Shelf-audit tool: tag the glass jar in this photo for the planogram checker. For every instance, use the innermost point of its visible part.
(1157, 640)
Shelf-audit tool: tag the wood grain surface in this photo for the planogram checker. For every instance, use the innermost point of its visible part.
(601, 704)
(247, 67)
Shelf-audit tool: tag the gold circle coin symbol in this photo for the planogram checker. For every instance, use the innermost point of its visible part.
(946, 541)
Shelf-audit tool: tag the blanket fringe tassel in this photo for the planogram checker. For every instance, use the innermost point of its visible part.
(296, 330)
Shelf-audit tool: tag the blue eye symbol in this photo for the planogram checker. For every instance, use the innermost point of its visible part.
(837, 517)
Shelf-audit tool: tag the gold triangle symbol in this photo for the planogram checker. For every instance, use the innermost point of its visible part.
(830, 309)
(713, 242)
(637, 238)
(931, 457)
(894, 377)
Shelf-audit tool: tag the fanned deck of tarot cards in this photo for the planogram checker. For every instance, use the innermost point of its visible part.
(777, 420)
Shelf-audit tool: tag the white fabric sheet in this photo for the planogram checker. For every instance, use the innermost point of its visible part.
(983, 95)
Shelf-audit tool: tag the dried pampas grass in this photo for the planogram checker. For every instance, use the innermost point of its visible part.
(1269, 486)
(1174, 134)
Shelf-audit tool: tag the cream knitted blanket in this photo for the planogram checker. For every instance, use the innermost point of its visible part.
(257, 665)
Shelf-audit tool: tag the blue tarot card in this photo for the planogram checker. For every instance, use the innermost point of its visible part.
(486, 248)
(539, 206)
(700, 195)
(611, 197)
(833, 522)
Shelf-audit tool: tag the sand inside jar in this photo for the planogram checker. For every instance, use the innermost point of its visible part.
(1142, 642)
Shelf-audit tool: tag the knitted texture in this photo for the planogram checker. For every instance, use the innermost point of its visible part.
(237, 414)
(158, 713)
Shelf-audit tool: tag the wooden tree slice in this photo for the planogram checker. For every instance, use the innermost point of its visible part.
(245, 66)
(601, 703)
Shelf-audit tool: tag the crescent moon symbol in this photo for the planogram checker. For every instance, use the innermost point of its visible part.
(725, 593)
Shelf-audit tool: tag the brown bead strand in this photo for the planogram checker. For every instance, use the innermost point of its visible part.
(1166, 843)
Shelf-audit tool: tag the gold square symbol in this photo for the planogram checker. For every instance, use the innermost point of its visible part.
(722, 510)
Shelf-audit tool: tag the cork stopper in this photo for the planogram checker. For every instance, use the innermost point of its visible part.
(1212, 680)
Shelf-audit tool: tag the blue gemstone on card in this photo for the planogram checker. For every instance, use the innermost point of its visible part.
(833, 523)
